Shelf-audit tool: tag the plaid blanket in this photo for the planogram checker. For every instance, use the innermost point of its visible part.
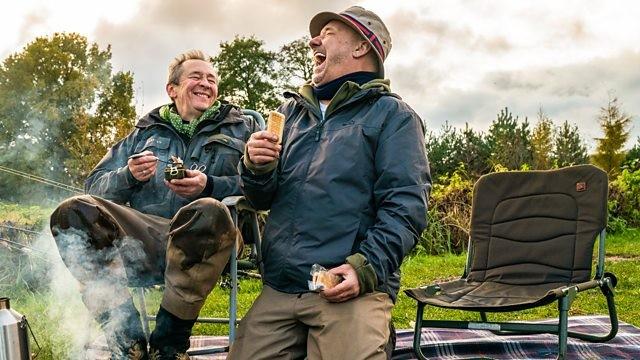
(466, 344)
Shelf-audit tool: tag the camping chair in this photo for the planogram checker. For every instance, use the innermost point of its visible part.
(531, 243)
(239, 209)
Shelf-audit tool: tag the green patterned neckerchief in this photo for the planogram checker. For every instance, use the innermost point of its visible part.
(169, 114)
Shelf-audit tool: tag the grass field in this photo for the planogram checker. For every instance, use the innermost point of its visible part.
(56, 322)
(623, 259)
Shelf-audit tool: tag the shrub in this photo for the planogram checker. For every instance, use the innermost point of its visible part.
(624, 201)
(448, 216)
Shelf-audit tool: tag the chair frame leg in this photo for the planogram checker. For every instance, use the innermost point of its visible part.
(144, 316)
(510, 328)
(564, 303)
(417, 334)
(233, 299)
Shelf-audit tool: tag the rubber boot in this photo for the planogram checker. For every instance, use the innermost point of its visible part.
(123, 332)
(170, 339)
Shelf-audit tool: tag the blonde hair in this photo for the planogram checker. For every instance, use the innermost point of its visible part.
(175, 67)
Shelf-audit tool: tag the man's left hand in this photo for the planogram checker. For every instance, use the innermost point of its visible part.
(190, 186)
(347, 289)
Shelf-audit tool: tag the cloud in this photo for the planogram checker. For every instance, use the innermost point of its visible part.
(432, 33)
(455, 63)
(32, 20)
(570, 92)
(162, 29)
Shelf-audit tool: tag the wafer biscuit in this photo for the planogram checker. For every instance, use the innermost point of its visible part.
(275, 124)
(327, 279)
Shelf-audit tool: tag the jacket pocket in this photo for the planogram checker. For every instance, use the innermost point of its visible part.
(156, 144)
(223, 153)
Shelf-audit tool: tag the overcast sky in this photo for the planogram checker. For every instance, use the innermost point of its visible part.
(455, 61)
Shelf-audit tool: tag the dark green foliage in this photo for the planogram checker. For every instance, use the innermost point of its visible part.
(295, 64)
(443, 150)
(247, 74)
(475, 153)
(451, 150)
(632, 159)
(509, 141)
(569, 148)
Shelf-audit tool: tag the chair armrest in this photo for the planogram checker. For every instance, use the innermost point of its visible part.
(564, 290)
(232, 200)
(240, 203)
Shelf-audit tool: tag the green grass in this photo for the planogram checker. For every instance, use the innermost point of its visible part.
(53, 323)
(25, 216)
(623, 259)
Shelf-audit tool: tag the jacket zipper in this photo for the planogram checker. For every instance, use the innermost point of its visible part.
(319, 130)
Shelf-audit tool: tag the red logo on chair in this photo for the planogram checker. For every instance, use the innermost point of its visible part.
(581, 186)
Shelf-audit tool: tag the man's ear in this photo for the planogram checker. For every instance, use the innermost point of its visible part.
(171, 90)
(362, 49)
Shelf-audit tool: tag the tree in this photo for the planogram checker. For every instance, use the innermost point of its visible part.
(509, 142)
(474, 153)
(114, 119)
(247, 74)
(542, 142)
(295, 63)
(569, 148)
(443, 151)
(47, 92)
(610, 149)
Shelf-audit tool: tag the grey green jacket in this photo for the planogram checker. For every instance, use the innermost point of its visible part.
(218, 143)
(354, 183)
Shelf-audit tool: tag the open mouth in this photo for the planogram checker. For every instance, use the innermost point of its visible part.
(202, 95)
(319, 58)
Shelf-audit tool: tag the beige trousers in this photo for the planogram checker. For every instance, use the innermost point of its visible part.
(292, 326)
(108, 247)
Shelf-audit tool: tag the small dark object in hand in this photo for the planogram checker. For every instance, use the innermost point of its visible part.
(175, 169)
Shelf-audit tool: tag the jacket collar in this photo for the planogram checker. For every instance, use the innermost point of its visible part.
(220, 118)
(349, 93)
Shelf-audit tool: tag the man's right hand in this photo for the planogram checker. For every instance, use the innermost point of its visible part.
(263, 147)
(144, 167)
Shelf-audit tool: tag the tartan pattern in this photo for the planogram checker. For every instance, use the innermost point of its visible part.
(465, 344)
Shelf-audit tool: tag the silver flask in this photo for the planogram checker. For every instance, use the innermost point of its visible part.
(14, 339)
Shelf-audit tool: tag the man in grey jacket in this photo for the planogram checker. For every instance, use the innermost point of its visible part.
(135, 228)
(347, 189)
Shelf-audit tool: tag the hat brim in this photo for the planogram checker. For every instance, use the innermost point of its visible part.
(323, 18)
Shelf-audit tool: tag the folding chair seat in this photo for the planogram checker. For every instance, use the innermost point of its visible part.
(531, 243)
(246, 218)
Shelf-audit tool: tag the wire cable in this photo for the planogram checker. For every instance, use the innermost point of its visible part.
(23, 230)
(42, 180)
(24, 248)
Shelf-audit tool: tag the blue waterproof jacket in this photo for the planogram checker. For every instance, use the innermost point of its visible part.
(218, 144)
(356, 181)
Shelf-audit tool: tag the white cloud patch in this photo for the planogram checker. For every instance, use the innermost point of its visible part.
(458, 61)
(160, 30)
(570, 92)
